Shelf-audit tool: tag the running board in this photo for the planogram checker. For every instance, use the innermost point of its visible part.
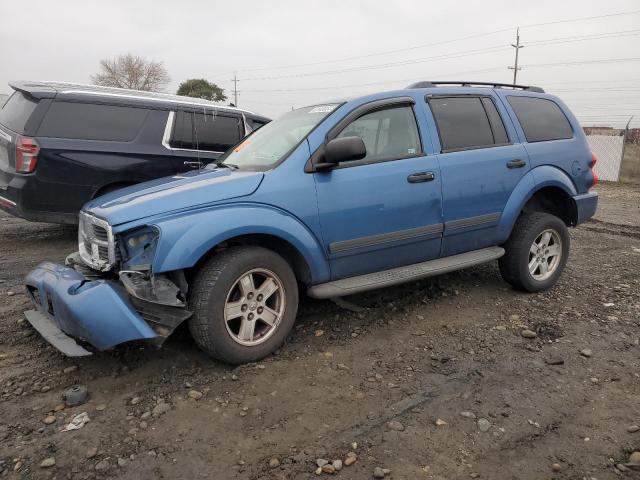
(386, 278)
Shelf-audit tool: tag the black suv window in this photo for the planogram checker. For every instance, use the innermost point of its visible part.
(17, 110)
(467, 122)
(541, 119)
(216, 132)
(391, 133)
(88, 121)
(182, 136)
(205, 131)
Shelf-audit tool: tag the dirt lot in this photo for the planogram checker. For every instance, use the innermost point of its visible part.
(382, 378)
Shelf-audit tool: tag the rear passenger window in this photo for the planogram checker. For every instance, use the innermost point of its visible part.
(92, 122)
(215, 132)
(463, 123)
(182, 136)
(541, 119)
(388, 134)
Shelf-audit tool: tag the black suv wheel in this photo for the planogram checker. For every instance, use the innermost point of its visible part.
(536, 252)
(245, 301)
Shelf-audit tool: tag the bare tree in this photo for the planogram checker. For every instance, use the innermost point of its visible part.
(131, 71)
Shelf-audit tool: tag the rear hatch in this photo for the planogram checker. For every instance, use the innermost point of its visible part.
(14, 116)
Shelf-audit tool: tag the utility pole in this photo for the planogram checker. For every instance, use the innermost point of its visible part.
(235, 88)
(517, 46)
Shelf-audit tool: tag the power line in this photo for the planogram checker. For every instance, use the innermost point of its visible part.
(433, 44)
(533, 65)
(459, 54)
(370, 84)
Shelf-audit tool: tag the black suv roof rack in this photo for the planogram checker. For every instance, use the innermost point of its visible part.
(431, 84)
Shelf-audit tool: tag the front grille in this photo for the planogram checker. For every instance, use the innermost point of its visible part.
(96, 243)
(100, 233)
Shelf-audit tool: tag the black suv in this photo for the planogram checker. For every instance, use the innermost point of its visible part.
(63, 144)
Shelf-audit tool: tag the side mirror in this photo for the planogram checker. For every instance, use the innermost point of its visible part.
(342, 150)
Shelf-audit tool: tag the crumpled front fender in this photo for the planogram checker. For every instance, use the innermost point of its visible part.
(97, 312)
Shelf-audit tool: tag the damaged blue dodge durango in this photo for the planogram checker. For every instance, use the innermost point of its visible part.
(333, 199)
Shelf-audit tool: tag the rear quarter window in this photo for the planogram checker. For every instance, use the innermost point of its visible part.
(17, 110)
(85, 121)
(541, 119)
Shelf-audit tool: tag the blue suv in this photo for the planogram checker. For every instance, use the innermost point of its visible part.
(333, 199)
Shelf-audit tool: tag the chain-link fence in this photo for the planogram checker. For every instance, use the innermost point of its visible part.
(609, 150)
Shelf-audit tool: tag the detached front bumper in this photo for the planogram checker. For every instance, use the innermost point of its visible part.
(68, 305)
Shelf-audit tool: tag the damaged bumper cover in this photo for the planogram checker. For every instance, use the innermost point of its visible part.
(98, 312)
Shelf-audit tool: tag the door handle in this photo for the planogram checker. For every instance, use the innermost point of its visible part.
(193, 164)
(516, 163)
(420, 177)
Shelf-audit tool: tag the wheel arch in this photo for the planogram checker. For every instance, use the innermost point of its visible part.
(187, 241)
(544, 189)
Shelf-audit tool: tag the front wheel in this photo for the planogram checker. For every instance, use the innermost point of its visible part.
(245, 301)
(536, 252)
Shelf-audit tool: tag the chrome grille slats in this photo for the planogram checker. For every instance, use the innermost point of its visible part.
(96, 243)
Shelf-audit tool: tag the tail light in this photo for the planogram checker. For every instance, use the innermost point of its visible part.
(26, 154)
(592, 164)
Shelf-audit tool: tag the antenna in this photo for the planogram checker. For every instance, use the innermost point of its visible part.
(517, 46)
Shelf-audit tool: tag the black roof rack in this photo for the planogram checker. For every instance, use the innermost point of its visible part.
(431, 84)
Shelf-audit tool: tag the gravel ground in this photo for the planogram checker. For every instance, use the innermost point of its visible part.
(432, 380)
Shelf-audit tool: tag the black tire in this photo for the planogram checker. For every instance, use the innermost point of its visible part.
(514, 265)
(212, 285)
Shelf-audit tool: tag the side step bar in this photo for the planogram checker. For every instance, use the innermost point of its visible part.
(394, 276)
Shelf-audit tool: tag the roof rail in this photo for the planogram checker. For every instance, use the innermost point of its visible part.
(431, 84)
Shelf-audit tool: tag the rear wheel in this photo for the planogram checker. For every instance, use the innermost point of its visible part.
(536, 252)
(245, 301)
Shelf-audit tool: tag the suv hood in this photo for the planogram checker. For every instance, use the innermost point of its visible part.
(171, 194)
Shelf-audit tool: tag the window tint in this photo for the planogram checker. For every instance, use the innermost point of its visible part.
(215, 132)
(17, 110)
(495, 120)
(255, 124)
(387, 134)
(462, 122)
(92, 122)
(541, 119)
(182, 136)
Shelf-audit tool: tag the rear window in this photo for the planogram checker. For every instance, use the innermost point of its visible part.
(87, 121)
(17, 110)
(541, 119)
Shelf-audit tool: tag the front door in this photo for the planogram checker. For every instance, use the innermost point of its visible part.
(382, 211)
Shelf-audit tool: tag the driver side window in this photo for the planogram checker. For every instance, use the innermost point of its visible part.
(388, 134)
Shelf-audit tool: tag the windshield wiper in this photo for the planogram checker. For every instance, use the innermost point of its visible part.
(231, 166)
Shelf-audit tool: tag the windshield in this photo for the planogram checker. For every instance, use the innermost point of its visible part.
(271, 143)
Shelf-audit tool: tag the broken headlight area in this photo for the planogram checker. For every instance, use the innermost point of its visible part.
(138, 247)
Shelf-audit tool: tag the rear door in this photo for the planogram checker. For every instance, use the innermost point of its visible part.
(481, 160)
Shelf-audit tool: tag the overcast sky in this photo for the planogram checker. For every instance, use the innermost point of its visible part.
(295, 52)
